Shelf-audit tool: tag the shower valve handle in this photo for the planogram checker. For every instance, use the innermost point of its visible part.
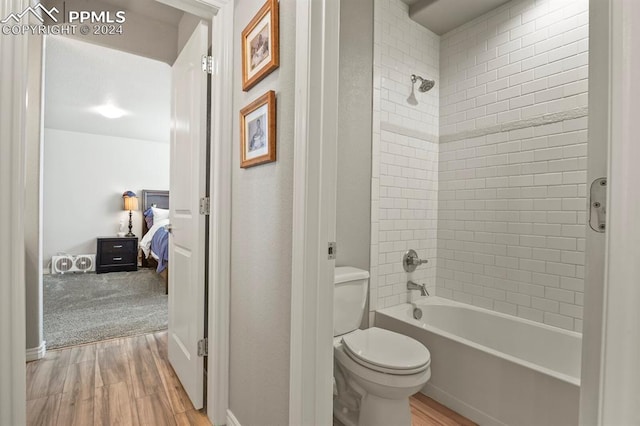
(410, 261)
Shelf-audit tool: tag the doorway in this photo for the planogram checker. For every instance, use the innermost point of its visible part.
(179, 199)
(315, 401)
(106, 157)
(23, 136)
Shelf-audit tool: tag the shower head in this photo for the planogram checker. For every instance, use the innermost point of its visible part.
(425, 85)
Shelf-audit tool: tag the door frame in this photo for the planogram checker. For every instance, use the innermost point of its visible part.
(15, 85)
(612, 324)
(219, 14)
(220, 218)
(598, 142)
(611, 313)
(14, 69)
(314, 211)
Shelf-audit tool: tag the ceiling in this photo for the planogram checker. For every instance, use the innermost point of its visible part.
(81, 76)
(151, 9)
(442, 16)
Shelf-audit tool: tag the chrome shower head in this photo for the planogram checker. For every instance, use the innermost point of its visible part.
(425, 85)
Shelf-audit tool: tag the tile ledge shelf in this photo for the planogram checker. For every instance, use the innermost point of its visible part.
(404, 131)
(540, 120)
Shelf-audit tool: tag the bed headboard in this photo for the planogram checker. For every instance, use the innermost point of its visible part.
(153, 198)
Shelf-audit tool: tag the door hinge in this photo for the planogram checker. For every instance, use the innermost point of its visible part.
(205, 205)
(203, 347)
(333, 248)
(207, 64)
(598, 205)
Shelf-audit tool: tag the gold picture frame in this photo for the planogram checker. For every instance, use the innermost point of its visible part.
(261, 45)
(258, 131)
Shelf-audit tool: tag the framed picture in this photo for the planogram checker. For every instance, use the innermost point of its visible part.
(260, 45)
(258, 131)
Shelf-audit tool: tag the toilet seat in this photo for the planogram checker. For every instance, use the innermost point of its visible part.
(386, 352)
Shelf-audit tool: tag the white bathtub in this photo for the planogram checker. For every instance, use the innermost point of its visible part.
(493, 368)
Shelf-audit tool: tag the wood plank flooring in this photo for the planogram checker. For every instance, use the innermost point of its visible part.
(129, 382)
(126, 382)
(427, 412)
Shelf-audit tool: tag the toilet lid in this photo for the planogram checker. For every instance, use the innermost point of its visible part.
(386, 349)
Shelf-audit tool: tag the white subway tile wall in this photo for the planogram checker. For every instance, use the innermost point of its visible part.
(521, 60)
(405, 161)
(512, 204)
(511, 233)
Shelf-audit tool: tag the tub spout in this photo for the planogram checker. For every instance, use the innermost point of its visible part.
(415, 286)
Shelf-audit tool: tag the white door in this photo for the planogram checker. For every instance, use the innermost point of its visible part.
(187, 241)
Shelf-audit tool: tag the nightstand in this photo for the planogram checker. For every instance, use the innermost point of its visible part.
(115, 254)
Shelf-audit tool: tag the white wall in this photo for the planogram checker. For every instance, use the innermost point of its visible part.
(404, 155)
(512, 172)
(33, 201)
(84, 178)
(262, 205)
(353, 204)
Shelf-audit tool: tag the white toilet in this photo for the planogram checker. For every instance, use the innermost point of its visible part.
(376, 370)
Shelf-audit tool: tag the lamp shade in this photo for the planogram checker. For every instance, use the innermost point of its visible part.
(130, 201)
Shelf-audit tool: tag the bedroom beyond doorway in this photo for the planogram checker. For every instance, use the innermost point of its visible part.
(106, 166)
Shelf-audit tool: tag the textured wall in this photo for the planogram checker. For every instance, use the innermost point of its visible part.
(262, 207)
(33, 200)
(512, 171)
(353, 204)
(405, 153)
(84, 178)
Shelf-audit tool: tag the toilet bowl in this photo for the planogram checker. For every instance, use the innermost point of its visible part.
(380, 375)
(376, 370)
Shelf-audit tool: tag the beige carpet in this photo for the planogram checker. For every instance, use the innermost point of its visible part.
(84, 308)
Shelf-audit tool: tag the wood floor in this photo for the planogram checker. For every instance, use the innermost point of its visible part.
(126, 382)
(129, 382)
(427, 412)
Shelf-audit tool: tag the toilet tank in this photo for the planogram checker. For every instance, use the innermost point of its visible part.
(349, 297)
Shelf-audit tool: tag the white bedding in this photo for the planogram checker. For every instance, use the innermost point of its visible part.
(145, 243)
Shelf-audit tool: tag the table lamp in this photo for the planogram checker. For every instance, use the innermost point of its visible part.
(130, 204)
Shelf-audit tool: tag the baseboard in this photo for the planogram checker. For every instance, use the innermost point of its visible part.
(231, 419)
(460, 407)
(34, 354)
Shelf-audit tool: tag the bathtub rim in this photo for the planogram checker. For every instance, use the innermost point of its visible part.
(396, 312)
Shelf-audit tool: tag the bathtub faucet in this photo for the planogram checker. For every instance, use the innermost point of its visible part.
(415, 286)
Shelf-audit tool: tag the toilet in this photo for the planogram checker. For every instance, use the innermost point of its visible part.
(375, 370)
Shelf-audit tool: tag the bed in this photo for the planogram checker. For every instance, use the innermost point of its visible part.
(154, 244)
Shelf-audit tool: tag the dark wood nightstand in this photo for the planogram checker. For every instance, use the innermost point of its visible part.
(115, 254)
